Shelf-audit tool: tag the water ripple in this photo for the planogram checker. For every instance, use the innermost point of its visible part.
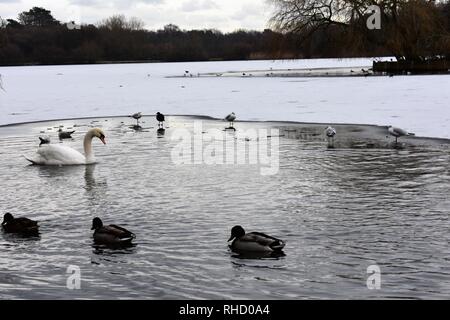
(339, 212)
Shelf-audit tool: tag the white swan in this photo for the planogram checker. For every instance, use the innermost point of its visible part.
(60, 155)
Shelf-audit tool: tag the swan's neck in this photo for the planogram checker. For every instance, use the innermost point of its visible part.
(89, 154)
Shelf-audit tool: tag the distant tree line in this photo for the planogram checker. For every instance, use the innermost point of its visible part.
(36, 37)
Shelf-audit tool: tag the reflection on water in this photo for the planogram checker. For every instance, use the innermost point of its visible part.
(94, 187)
(89, 177)
(258, 255)
(111, 250)
(136, 127)
(21, 238)
(338, 210)
(161, 132)
(52, 172)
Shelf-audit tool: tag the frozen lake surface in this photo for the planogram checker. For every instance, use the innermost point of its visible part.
(339, 211)
(417, 103)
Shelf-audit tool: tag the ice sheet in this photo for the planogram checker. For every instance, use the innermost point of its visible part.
(419, 104)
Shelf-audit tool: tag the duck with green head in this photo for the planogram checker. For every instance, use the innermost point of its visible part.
(253, 241)
(20, 225)
(112, 234)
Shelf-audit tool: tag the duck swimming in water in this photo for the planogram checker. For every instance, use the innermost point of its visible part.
(23, 226)
(253, 241)
(112, 234)
(65, 134)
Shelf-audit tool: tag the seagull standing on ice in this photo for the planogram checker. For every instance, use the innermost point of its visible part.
(137, 116)
(160, 118)
(330, 132)
(398, 132)
(230, 118)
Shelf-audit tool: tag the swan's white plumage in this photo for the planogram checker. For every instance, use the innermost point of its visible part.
(60, 155)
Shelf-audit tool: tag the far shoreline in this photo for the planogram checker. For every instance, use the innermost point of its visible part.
(150, 61)
(363, 70)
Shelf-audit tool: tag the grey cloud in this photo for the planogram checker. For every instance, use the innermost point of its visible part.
(197, 5)
(116, 3)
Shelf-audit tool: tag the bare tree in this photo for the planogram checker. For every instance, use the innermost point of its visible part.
(410, 28)
(135, 23)
(120, 22)
(115, 22)
(306, 15)
(417, 30)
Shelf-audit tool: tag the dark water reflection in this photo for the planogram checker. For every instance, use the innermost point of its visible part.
(339, 211)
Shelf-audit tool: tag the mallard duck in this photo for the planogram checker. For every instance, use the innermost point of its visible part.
(19, 225)
(253, 241)
(111, 234)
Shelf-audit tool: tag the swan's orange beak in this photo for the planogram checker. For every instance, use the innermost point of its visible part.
(103, 140)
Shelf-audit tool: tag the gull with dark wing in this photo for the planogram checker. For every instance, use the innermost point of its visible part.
(230, 118)
(160, 118)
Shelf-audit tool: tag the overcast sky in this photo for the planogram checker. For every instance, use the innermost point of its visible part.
(225, 15)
